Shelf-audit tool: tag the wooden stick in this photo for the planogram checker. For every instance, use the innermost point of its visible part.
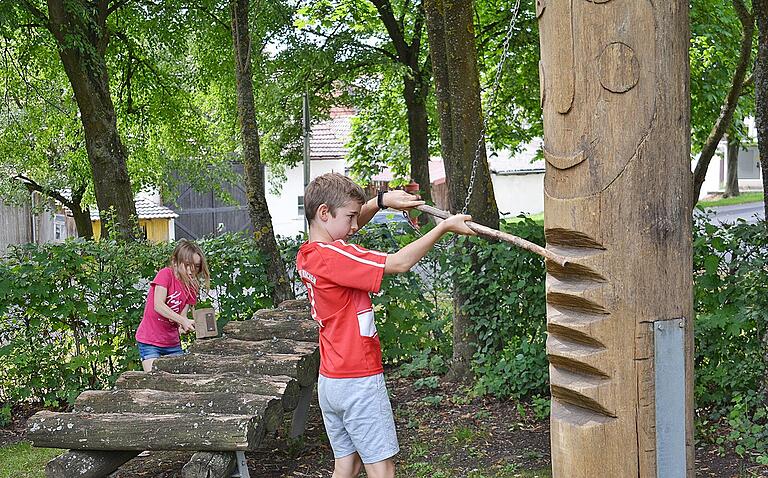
(486, 231)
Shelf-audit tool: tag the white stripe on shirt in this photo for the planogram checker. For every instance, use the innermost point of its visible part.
(351, 256)
(361, 251)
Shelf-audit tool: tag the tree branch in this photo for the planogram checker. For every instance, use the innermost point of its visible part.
(394, 29)
(211, 15)
(116, 6)
(36, 12)
(731, 100)
(33, 186)
(356, 43)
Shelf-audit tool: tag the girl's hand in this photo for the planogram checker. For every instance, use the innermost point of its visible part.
(399, 199)
(186, 326)
(458, 224)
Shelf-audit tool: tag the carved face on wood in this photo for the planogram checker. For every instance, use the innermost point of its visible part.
(598, 89)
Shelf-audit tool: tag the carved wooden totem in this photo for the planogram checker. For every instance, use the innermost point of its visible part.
(614, 90)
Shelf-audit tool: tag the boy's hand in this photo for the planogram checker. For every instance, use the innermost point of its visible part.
(458, 224)
(399, 199)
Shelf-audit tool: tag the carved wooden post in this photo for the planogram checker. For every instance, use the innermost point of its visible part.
(614, 89)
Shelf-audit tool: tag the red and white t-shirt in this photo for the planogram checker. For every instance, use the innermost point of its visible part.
(339, 278)
(155, 329)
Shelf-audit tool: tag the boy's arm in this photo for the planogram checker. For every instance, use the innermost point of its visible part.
(396, 199)
(408, 256)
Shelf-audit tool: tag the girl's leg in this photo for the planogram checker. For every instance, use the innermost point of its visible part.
(348, 466)
(147, 364)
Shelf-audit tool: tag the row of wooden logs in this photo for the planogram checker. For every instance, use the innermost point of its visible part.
(220, 398)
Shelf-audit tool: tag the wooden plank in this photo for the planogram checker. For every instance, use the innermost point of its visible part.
(268, 328)
(267, 408)
(283, 386)
(294, 304)
(133, 431)
(283, 314)
(87, 464)
(227, 346)
(303, 368)
(206, 464)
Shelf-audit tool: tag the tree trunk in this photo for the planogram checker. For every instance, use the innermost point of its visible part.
(760, 8)
(86, 69)
(761, 122)
(731, 100)
(81, 216)
(732, 166)
(254, 170)
(454, 59)
(415, 94)
(415, 91)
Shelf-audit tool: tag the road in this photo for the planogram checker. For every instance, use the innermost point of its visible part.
(750, 212)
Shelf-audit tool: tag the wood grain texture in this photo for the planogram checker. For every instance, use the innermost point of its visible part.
(616, 139)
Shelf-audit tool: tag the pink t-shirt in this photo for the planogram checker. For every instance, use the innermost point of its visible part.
(155, 329)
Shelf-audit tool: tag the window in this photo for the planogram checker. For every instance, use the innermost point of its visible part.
(301, 205)
(59, 227)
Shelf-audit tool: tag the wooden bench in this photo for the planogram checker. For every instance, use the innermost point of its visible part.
(219, 401)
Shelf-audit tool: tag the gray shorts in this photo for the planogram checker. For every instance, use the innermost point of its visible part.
(358, 417)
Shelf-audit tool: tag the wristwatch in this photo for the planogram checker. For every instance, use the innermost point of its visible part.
(380, 200)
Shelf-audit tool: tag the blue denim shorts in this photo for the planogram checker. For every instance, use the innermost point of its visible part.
(147, 351)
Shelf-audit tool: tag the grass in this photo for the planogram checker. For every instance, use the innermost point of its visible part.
(24, 461)
(741, 199)
(535, 217)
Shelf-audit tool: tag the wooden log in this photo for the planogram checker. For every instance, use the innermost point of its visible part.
(303, 368)
(266, 408)
(287, 314)
(301, 414)
(231, 346)
(294, 304)
(283, 386)
(617, 195)
(133, 431)
(87, 464)
(269, 328)
(206, 464)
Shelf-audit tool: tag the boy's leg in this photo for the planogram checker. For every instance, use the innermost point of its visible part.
(381, 469)
(347, 467)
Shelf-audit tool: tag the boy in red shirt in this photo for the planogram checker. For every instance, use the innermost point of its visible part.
(339, 278)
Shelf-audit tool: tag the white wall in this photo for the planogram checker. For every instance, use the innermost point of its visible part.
(519, 193)
(283, 207)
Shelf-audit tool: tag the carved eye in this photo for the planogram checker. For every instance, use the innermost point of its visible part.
(619, 68)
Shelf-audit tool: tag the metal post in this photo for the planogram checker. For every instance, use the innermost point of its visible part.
(306, 120)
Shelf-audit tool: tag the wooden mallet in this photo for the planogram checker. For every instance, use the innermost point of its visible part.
(490, 233)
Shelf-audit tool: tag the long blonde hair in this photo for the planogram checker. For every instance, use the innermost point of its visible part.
(184, 255)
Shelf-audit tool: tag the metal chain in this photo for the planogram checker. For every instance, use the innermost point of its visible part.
(494, 92)
(480, 141)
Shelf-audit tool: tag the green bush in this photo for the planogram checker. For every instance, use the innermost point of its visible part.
(731, 280)
(506, 302)
(68, 312)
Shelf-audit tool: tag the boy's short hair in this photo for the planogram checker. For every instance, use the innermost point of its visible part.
(333, 190)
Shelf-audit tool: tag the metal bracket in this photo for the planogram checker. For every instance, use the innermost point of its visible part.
(242, 466)
(669, 367)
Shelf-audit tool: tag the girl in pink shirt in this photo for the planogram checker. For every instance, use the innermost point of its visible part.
(171, 293)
